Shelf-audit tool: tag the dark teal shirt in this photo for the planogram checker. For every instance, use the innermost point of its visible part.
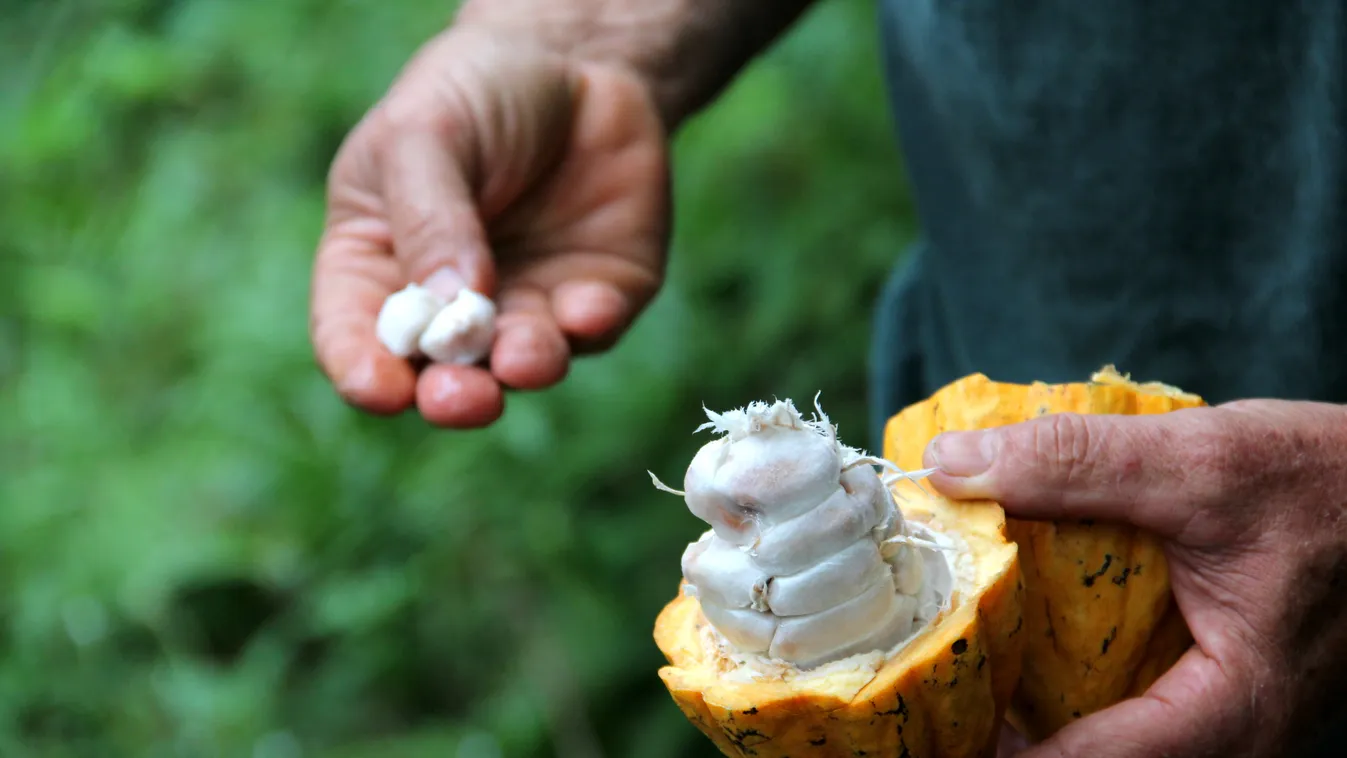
(1157, 185)
(1153, 184)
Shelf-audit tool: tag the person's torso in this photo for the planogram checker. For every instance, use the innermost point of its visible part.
(1155, 185)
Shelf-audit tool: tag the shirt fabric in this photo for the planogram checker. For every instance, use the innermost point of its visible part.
(1151, 184)
(1156, 185)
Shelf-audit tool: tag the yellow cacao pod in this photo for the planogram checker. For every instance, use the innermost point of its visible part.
(943, 694)
(1099, 616)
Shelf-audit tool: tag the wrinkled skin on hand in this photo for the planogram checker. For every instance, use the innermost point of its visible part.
(539, 181)
(1250, 499)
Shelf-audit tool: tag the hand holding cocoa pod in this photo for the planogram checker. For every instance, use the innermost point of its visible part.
(1246, 502)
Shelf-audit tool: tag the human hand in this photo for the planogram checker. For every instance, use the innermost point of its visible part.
(534, 179)
(1249, 498)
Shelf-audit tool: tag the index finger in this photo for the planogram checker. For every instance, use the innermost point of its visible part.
(354, 273)
(1156, 472)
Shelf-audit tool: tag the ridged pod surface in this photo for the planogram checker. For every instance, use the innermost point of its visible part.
(1099, 613)
(943, 694)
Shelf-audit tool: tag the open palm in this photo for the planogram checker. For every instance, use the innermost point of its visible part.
(515, 172)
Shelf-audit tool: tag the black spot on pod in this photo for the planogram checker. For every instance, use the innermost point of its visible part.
(744, 739)
(1112, 635)
(1121, 579)
(960, 646)
(1089, 579)
(899, 710)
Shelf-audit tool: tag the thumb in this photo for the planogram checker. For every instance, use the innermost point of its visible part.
(437, 229)
(1195, 709)
(470, 126)
(1151, 471)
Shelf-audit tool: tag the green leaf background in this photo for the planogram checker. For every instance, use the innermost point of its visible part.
(203, 552)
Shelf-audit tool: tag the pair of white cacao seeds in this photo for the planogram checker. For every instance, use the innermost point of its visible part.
(808, 559)
(415, 321)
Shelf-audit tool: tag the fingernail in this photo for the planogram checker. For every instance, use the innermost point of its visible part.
(445, 282)
(964, 453)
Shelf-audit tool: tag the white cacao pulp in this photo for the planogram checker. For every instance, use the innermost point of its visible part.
(808, 559)
(462, 332)
(415, 321)
(404, 317)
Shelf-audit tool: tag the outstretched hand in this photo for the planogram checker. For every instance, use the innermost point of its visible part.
(534, 179)
(1251, 500)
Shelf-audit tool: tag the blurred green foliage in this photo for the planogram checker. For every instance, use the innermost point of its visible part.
(204, 553)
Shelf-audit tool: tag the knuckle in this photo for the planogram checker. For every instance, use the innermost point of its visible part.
(639, 283)
(353, 174)
(1067, 443)
(426, 109)
(399, 115)
(1214, 463)
(1220, 472)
